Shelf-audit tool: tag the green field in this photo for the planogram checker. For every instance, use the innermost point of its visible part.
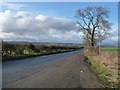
(111, 48)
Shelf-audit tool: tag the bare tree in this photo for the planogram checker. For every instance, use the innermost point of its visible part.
(93, 22)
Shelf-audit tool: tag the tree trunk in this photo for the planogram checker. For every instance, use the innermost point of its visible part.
(92, 41)
(92, 37)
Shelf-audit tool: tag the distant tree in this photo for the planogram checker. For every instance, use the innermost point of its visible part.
(93, 23)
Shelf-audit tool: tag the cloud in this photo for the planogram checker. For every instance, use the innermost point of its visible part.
(13, 6)
(111, 41)
(23, 25)
(114, 37)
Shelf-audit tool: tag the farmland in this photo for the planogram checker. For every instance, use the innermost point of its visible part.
(111, 48)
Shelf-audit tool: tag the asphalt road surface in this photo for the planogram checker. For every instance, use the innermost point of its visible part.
(64, 70)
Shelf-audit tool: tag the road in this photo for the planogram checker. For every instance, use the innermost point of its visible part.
(64, 70)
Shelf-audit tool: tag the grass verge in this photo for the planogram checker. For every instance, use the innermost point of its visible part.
(102, 73)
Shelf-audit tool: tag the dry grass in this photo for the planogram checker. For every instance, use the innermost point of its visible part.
(108, 60)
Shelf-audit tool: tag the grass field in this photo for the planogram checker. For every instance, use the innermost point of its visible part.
(111, 48)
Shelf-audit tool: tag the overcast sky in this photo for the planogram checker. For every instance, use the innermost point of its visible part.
(48, 22)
